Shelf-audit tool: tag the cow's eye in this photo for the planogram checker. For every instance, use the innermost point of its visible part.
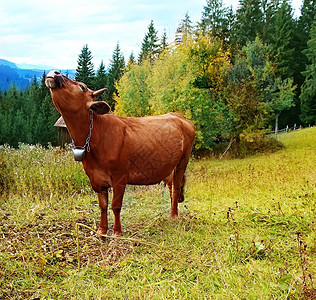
(82, 87)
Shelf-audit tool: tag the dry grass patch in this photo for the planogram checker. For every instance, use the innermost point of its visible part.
(246, 230)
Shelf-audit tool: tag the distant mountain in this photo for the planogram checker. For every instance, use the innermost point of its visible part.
(35, 67)
(10, 74)
(7, 63)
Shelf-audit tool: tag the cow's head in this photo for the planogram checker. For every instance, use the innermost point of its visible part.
(72, 96)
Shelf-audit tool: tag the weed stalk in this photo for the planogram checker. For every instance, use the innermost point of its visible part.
(78, 246)
(302, 254)
(230, 216)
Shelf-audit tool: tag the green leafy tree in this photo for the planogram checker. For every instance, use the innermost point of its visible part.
(283, 97)
(255, 93)
(85, 68)
(188, 80)
(133, 91)
(150, 48)
(225, 99)
(308, 95)
(171, 85)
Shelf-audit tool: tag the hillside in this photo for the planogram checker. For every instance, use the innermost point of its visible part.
(246, 230)
(11, 74)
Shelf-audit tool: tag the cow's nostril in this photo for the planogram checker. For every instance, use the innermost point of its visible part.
(57, 73)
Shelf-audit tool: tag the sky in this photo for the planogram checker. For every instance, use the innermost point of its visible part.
(53, 33)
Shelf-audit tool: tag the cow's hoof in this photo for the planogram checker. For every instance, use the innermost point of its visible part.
(117, 233)
(102, 231)
(181, 199)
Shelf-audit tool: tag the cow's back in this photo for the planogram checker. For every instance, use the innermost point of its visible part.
(155, 145)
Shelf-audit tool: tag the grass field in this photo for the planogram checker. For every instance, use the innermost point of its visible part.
(246, 230)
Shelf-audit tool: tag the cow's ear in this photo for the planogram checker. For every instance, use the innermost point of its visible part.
(99, 107)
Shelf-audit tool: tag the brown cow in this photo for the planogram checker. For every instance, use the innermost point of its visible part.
(121, 151)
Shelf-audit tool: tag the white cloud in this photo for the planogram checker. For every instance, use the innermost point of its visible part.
(54, 32)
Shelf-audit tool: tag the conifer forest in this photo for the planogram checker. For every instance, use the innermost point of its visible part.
(236, 74)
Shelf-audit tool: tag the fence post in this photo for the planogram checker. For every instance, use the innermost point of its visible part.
(294, 126)
(287, 128)
(276, 129)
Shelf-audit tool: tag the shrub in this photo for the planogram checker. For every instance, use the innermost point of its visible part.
(6, 173)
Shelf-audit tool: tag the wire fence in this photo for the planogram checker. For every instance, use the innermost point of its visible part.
(286, 129)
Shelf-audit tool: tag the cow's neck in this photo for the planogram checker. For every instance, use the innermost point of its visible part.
(78, 126)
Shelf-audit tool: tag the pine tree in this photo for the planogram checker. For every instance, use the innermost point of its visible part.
(144, 50)
(2, 121)
(269, 11)
(131, 61)
(116, 71)
(282, 40)
(215, 21)
(308, 15)
(164, 43)
(85, 69)
(15, 118)
(5, 107)
(231, 19)
(302, 31)
(150, 45)
(49, 114)
(101, 79)
(43, 124)
(33, 98)
(249, 21)
(184, 30)
(28, 116)
(308, 95)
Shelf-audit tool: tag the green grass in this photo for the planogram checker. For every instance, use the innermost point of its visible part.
(246, 230)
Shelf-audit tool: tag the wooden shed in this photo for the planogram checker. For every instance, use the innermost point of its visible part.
(63, 134)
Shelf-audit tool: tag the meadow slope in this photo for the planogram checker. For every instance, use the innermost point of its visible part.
(246, 230)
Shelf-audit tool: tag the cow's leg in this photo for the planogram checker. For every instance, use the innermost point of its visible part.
(169, 184)
(103, 204)
(178, 186)
(181, 196)
(175, 195)
(118, 193)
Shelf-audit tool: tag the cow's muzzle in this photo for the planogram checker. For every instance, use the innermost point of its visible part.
(54, 79)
